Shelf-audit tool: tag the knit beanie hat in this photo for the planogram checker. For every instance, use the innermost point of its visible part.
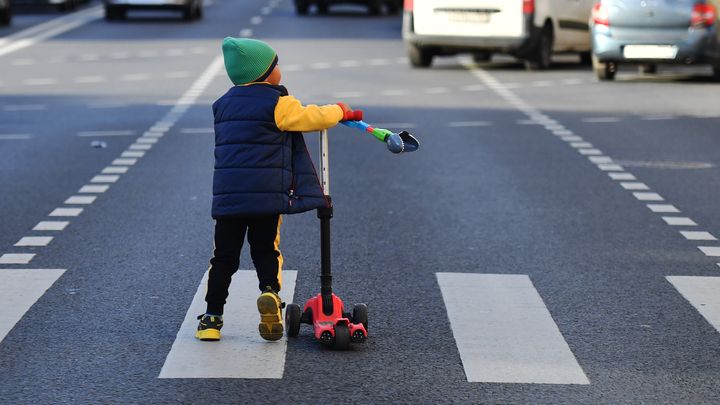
(248, 60)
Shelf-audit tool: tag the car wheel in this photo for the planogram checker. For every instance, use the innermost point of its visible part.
(420, 57)
(541, 59)
(113, 13)
(6, 15)
(375, 7)
(482, 57)
(393, 7)
(647, 68)
(605, 71)
(322, 8)
(67, 5)
(190, 11)
(586, 58)
(716, 73)
(301, 7)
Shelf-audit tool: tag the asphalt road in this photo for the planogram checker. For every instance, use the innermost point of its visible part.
(519, 173)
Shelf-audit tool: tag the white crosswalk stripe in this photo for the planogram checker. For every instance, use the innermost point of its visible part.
(241, 352)
(504, 332)
(702, 292)
(19, 290)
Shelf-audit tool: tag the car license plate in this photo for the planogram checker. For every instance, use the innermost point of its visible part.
(464, 16)
(650, 51)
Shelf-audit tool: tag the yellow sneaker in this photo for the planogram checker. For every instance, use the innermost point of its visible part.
(270, 308)
(209, 327)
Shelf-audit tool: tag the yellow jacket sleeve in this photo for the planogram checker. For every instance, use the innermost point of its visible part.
(291, 115)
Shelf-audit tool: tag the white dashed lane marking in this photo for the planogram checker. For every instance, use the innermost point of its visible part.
(16, 258)
(511, 336)
(34, 241)
(51, 226)
(80, 200)
(15, 136)
(697, 235)
(664, 208)
(702, 293)
(66, 212)
(679, 221)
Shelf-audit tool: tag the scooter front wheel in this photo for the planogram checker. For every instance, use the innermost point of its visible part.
(292, 319)
(342, 337)
(360, 315)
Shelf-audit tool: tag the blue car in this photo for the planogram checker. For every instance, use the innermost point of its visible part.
(652, 32)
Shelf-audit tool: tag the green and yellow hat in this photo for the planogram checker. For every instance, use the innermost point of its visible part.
(248, 60)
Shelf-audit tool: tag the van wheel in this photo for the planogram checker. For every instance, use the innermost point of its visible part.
(322, 8)
(419, 57)
(67, 5)
(301, 7)
(191, 11)
(647, 68)
(393, 7)
(6, 16)
(482, 57)
(606, 71)
(113, 13)
(543, 54)
(375, 7)
(716, 73)
(586, 58)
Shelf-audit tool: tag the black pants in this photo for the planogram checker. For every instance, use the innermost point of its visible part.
(263, 234)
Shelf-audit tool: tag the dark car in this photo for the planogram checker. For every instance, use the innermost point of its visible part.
(6, 12)
(117, 9)
(374, 6)
(652, 32)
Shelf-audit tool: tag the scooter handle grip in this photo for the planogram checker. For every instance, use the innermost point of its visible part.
(356, 115)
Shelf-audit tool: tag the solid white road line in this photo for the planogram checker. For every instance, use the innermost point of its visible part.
(49, 29)
(241, 352)
(105, 133)
(19, 290)
(703, 293)
(504, 332)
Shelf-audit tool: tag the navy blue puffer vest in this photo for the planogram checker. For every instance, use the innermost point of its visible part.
(259, 169)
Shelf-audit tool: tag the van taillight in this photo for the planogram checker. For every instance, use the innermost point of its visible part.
(600, 14)
(408, 5)
(528, 6)
(703, 14)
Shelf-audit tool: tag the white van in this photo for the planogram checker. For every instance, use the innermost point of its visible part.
(528, 29)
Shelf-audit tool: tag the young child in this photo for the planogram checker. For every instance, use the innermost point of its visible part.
(262, 170)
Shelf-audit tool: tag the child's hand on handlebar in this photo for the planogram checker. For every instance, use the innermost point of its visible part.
(349, 114)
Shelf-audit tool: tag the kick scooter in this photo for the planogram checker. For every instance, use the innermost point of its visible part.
(326, 312)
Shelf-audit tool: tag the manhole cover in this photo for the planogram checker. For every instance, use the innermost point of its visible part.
(665, 165)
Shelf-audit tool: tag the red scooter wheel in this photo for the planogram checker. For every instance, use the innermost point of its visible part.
(292, 319)
(342, 337)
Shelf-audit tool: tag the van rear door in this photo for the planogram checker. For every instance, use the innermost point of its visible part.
(472, 18)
